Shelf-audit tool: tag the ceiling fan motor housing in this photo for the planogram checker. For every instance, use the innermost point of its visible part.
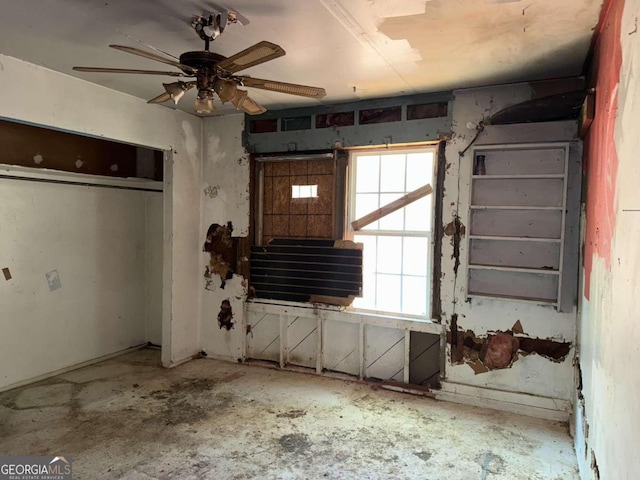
(201, 59)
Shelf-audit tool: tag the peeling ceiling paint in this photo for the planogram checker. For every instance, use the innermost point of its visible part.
(353, 48)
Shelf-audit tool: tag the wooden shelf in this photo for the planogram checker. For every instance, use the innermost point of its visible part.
(514, 239)
(519, 198)
(545, 271)
(538, 301)
(511, 207)
(520, 176)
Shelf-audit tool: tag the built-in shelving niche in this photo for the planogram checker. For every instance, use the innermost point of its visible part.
(517, 222)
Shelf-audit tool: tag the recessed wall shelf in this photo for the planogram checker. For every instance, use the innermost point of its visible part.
(518, 198)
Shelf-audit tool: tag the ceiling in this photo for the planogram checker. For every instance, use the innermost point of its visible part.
(355, 49)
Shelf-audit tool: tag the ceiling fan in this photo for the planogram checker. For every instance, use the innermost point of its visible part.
(212, 72)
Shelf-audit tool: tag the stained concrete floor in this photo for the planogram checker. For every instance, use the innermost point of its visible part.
(128, 418)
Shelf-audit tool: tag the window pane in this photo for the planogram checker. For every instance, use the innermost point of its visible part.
(368, 251)
(395, 220)
(414, 295)
(419, 170)
(389, 254)
(396, 269)
(367, 173)
(415, 256)
(388, 293)
(392, 168)
(368, 299)
(418, 215)
(366, 203)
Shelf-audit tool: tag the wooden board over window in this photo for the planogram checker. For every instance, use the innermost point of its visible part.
(298, 199)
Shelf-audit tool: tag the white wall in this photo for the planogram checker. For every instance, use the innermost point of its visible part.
(94, 239)
(532, 374)
(33, 94)
(609, 327)
(225, 198)
(153, 267)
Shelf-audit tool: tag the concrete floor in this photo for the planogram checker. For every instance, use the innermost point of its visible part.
(129, 418)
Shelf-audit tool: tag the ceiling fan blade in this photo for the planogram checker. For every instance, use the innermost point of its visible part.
(127, 70)
(163, 97)
(157, 58)
(259, 53)
(282, 87)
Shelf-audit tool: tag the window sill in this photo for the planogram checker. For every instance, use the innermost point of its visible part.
(343, 314)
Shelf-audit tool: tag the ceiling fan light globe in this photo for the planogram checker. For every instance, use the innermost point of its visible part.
(204, 103)
(226, 90)
(176, 90)
(239, 98)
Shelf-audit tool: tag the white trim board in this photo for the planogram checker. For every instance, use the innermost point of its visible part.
(26, 173)
(513, 402)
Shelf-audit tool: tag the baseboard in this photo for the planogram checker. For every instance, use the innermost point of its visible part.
(521, 403)
(177, 363)
(71, 368)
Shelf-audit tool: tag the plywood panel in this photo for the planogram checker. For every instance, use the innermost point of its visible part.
(424, 359)
(384, 353)
(340, 347)
(302, 341)
(263, 339)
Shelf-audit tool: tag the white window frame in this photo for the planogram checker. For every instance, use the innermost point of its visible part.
(350, 217)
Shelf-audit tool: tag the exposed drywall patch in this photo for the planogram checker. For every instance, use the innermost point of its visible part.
(222, 249)
(53, 279)
(499, 349)
(79, 163)
(456, 230)
(38, 159)
(225, 317)
(7, 274)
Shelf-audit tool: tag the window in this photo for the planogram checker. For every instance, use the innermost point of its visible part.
(397, 244)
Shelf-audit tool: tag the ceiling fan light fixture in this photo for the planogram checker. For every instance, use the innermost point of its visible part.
(204, 102)
(242, 101)
(176, 90)
(226, 90)
(239, 97)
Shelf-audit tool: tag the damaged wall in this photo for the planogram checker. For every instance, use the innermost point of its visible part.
(532, 373)
(74, 105)
(547, 336)
(607, 415)
(225, 205)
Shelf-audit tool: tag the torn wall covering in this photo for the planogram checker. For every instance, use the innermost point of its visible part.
(225, 208)
(486, 318)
